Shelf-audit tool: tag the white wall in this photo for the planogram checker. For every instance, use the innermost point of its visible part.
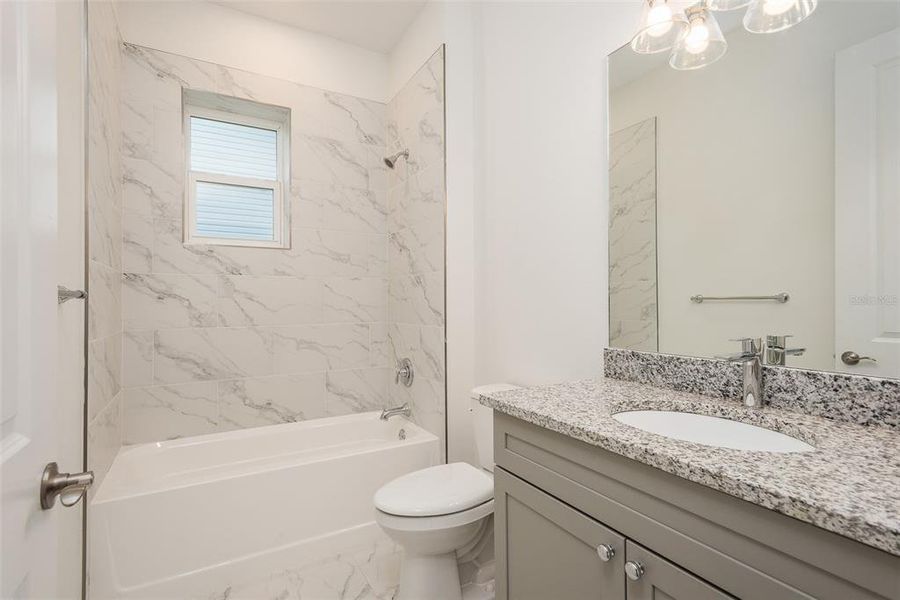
(746, 183)
(224, 36)
(541, 225)
(526, 189)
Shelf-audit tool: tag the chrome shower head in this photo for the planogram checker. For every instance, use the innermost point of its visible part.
(391, 160)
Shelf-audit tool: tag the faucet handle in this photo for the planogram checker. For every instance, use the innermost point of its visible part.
(778, 341)
(749, 345)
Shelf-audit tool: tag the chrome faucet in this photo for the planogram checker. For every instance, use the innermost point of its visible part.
(750, 356)
(387, 413)
(777, 350)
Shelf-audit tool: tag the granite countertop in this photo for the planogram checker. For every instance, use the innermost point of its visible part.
(850, 484)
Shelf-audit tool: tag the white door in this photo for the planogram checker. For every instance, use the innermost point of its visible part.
(31, 418)
(867, 206)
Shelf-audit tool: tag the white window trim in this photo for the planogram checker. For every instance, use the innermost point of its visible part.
(281, 225)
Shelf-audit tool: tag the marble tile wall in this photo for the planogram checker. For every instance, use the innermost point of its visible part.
(223, 337)
(104, 196)
(633, 321)
(415, 225)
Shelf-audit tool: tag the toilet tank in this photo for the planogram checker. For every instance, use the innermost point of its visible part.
(483, 423)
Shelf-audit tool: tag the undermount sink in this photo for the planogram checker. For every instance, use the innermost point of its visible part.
(711, 431)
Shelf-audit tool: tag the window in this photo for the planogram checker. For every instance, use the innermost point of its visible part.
(237, 171)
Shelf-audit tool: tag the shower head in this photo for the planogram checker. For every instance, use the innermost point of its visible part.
(391, 160)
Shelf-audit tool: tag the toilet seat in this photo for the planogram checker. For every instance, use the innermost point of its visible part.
(442, 490)
(435, 523)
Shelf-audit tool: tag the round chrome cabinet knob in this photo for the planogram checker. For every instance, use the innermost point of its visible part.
(634, 570)
(606, 552)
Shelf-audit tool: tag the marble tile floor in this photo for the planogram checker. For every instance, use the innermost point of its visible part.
(366, 573)
(370, 572)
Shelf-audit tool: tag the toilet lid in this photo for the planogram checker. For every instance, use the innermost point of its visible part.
(440, 490)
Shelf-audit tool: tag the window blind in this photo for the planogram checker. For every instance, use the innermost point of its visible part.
(233, 149)
(232, 211)
(235, 211)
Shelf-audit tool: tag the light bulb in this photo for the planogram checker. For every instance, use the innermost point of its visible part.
(697, 39)
(659, 20)
(777, 7)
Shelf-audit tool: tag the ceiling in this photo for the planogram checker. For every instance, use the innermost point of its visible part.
(373, 24)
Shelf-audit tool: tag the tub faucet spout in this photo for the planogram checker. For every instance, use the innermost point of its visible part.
(404, 410)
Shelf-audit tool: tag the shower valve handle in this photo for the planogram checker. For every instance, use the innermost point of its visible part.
(404, 373)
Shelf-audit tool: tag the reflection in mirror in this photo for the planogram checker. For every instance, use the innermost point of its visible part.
(775, 170)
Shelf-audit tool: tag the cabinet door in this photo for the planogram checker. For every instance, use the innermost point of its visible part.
(546, 549)
(661, 580)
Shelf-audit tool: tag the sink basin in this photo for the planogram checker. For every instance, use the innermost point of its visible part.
(711, 431)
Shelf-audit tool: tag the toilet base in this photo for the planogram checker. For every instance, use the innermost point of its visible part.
(432, 577)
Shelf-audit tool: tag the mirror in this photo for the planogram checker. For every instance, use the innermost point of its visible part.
(760, 195)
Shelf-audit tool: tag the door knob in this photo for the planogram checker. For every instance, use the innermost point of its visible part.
(634, 570)
(69, 487)
(606, 552)
(852, 358)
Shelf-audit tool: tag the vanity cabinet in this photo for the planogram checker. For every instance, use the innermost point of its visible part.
(570, 516)
(651, 577)
(551, 550)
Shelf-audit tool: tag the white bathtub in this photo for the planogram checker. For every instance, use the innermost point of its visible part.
(180, 518)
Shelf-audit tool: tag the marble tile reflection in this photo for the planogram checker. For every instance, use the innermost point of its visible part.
(632, 237)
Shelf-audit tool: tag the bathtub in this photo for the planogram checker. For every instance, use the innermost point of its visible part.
(186, 517)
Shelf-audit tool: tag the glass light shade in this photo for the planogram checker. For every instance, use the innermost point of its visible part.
(769, 16)
(660, 26)
(721, 5)
(701, 45)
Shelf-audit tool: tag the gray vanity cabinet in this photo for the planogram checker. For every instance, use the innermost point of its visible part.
(658, 579)
(551, 550)
(557, 500)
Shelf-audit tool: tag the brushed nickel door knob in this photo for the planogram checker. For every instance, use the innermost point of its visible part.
(634, 570)
(68, 487)
(852, 358)
(606, 552)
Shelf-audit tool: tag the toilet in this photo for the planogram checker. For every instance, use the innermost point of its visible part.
(439, 513)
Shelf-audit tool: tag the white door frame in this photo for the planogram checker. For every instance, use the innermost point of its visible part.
(867, 209)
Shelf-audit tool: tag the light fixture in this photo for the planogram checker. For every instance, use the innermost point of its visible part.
(659, 28)
(721, 5)
(702, 44)
(769, 16)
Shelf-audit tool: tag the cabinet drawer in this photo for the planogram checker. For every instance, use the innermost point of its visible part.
(547, 550)
(746, 550)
